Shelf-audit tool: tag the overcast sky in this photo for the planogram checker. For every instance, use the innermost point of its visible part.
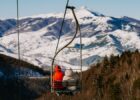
(116, 8)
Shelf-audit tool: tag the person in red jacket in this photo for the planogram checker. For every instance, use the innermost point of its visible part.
(57, 78)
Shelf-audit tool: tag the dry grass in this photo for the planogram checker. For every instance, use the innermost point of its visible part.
(6, 61)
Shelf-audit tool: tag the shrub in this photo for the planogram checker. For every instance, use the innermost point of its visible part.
(136, 84)
(115, 91)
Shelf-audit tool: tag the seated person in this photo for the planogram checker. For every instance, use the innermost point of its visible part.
(57, 78)
(70, 77)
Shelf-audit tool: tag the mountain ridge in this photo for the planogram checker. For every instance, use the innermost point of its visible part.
(102, 36)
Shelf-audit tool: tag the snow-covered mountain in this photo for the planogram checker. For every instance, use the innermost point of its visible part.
(101, 35)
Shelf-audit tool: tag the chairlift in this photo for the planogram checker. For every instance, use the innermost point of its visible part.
(78, 83)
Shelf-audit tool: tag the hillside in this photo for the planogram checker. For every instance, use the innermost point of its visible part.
(117, 78)
(12, 67)
(18, 79)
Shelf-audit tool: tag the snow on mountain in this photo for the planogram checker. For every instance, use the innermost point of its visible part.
(6, 25)
(101, 35)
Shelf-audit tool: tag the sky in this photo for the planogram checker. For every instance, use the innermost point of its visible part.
(116, 8)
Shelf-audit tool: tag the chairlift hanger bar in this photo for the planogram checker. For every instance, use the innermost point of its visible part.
(77, 29)
(70, 7)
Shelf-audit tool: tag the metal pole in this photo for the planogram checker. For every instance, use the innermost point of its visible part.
(18, 45)
(18, 30)
(81, 55)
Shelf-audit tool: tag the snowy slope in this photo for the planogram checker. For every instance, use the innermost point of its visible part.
(101, 35)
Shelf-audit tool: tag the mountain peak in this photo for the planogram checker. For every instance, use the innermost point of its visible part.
(80, 13)
(88, 11)
(101, 36)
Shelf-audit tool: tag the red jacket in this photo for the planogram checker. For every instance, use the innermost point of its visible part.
(57, 78)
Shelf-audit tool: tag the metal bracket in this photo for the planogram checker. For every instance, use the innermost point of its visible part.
(70, 7)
